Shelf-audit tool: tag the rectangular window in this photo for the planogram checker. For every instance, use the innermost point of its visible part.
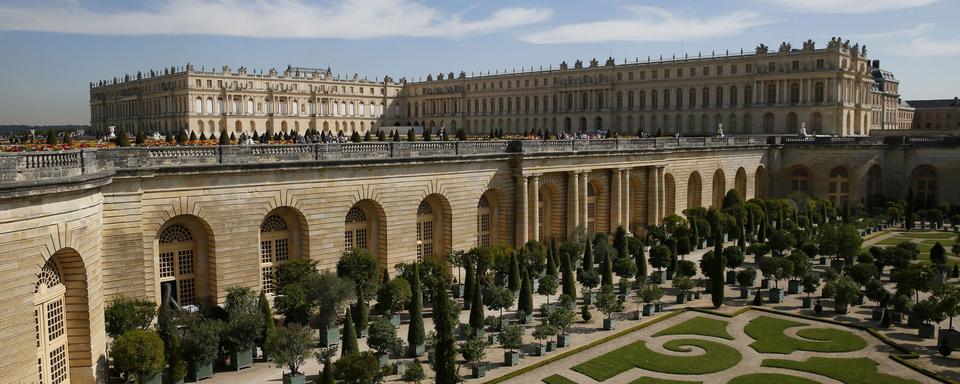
(166, 264)
(796, 65)
(266, 252)
(281, 248)
(185, 262)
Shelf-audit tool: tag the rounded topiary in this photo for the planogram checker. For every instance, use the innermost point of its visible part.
(138, 353)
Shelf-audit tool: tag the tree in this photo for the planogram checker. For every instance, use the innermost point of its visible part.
(476, 308)
(244, 321)
(843, 290)
(427, 134)
(716, 276)
(138, 354)
(125, 314)
(511, 338)
(551, 262)
(639, 259)
(659, 257)
(776, 267)
(620, 242)
(526, 292)
(733, 257)
(394, 294)
(938, 256)
(513, 276)
(383, 337)
(548, 286)
(624, 267)
(415, 332)
(201, 338)
(357, 368)
(587, 258)
(561, 318)
(140, 138)
(355, 137)
(544, 331)
(172, 346)
(444, 351)
(290, 346)
(268, 324)
(862, 273)
(224, 138)
(349, 336)
(474, 349)
(810, 283)
(363, 268)
(413, 372)
(122, 139)
(500, 298)
(566, 269)
(606, 264)
(608, 303)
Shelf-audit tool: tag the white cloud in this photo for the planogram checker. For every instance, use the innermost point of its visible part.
(926, 47)
(848, 6)
(649, 24)
(349, 19)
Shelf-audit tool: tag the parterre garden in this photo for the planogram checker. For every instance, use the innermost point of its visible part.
(752, 347)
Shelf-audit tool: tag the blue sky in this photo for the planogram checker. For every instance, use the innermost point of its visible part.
(53, 49)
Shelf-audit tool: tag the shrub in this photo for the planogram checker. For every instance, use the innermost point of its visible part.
(608, 303)
(201, 339)
(138, 353)
(843, 290)
(511, 337)
(383, 337)
(290, 346)
(357, 368)
(125, 314)
(413, 372)
(244, 320)
(746, 277)
(561, 318)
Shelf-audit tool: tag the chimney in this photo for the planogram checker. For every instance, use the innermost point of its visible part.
(876, 63)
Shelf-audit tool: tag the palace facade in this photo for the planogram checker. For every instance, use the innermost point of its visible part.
(831, 90)
(82, 228)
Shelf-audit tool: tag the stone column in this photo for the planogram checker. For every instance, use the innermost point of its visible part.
(583, 198)
(573, 203)
(615, 199)
(653, 196)
(625, 213)
(522, 217)
(662, 195)
(534, 197)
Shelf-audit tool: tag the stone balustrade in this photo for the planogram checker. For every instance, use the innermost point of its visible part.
(28, 166)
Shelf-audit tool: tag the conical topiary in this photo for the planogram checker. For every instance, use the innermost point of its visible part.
(415, 332)
(513, 277)
(224, 139)
(193, 136)
(349, 336)
(476, 308)
(122, 139)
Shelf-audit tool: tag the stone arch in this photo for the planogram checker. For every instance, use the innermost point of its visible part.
(599, 185)
(874, 181)
(62, 315)
(760, 182)
(492, 205)
(184, 259)
(282, 238)
(434, 223)
(769, 122)
(365, 226)
(740, 182)
(838, 186)
(669, 195)
(719, 188)
(694, 190)
(925, 184)
(793, 126)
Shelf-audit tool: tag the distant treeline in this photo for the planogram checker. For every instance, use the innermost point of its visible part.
(7, 129)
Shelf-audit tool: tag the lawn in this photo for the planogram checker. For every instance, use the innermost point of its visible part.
(654, 380)
(770, 337)
(769, 378)
(702, 326)
(717, 357)
(557, 379)
(850, 370)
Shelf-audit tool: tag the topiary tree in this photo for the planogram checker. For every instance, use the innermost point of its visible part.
(444, 348)
(777, 267)
(290, 346)
(476, 308)
(548, 286)
(513, 276)
(608, 303)
(125, 314)
(363, 268)
(938, 256)
(511, 338)
(561, 318)
(383, 337)
(393, 295)
(544, 331)
(357, 368)
(349, 336)
(500, 298)
(268, 323)
(244, 321)
(413, 372)
(415, 331)
(659, 257)
(138, 354)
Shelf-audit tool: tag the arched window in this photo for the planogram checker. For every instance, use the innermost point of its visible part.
(209, 106)
(361, 109)
(839, 187)
(794, 93)
(355, 233)
(818, 92)
(874, 181)
(483, 222)
(178, 263)
(274, 249)
(591, 208)
(694, 191)
(925, 185)
(670, 195)
(51, 327)
(799, 180)
(198, 105)
(250, 109)
(768, 123)
(719, 188)
(424, 231)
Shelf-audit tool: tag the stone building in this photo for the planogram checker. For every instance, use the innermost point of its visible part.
(768, 91)
(885, 95)
(82, 228)
(210, 101)
(936, 115)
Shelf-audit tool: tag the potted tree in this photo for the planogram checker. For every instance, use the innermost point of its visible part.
(500, 298)
(650, 293)
(778, 268)
(393, 296)
(548, 286)
(511, 339)
(383, 339)
(413, 372)
(290, 346)
(590, 280)
(745, 279)
(415, 332)
(138, 354)
(542, 332)
(475, 350)
(925, 312)
(244, 322)
(660, 259)
(843, 290)
(877, 293)
(201, 338)
(682, 284)
(810, 285)
(561, 318)
(734, 257)
(458, 260)
(608, 303)
(801, 267)
(360, 266)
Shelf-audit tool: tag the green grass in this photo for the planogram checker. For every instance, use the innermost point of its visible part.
(769, 378)
(850, 370)
(770, 338)
(654, 380)
(557, 379)
(717, 357)
(699, 325)
(929, 235)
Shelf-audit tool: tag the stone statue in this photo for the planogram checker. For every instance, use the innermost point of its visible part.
(803, 130)
(785, 47)
(719, 129)
(761, 49)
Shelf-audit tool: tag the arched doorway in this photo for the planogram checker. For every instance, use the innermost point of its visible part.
(670, 195)
(719, 188)
(923, 179)
(591, 208)
(874, 181)
(740, 182)
(365, 227)
(433, 223)
(839, 187)
(694, 190)
(760, 183)
(182, 261)
(281, 239)
(51, 325)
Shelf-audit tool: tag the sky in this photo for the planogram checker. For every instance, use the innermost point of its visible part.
(53, 49)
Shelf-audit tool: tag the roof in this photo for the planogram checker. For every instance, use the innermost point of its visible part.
(936, 103)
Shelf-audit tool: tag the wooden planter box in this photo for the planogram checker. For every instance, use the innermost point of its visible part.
(927, 331)
(731, 277)
(776, 295)
(551, 346)
(648, 309)
(807, 302)
(330, 336)
(564, 341)
(479, 371)
(294, 379)
(457, 290)
(681, 297)
(744, 292)
(609, 324)
(415, 350)
(196, 372)
(241, 359)
(511, 358)
(841, 308)
(793, 287)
